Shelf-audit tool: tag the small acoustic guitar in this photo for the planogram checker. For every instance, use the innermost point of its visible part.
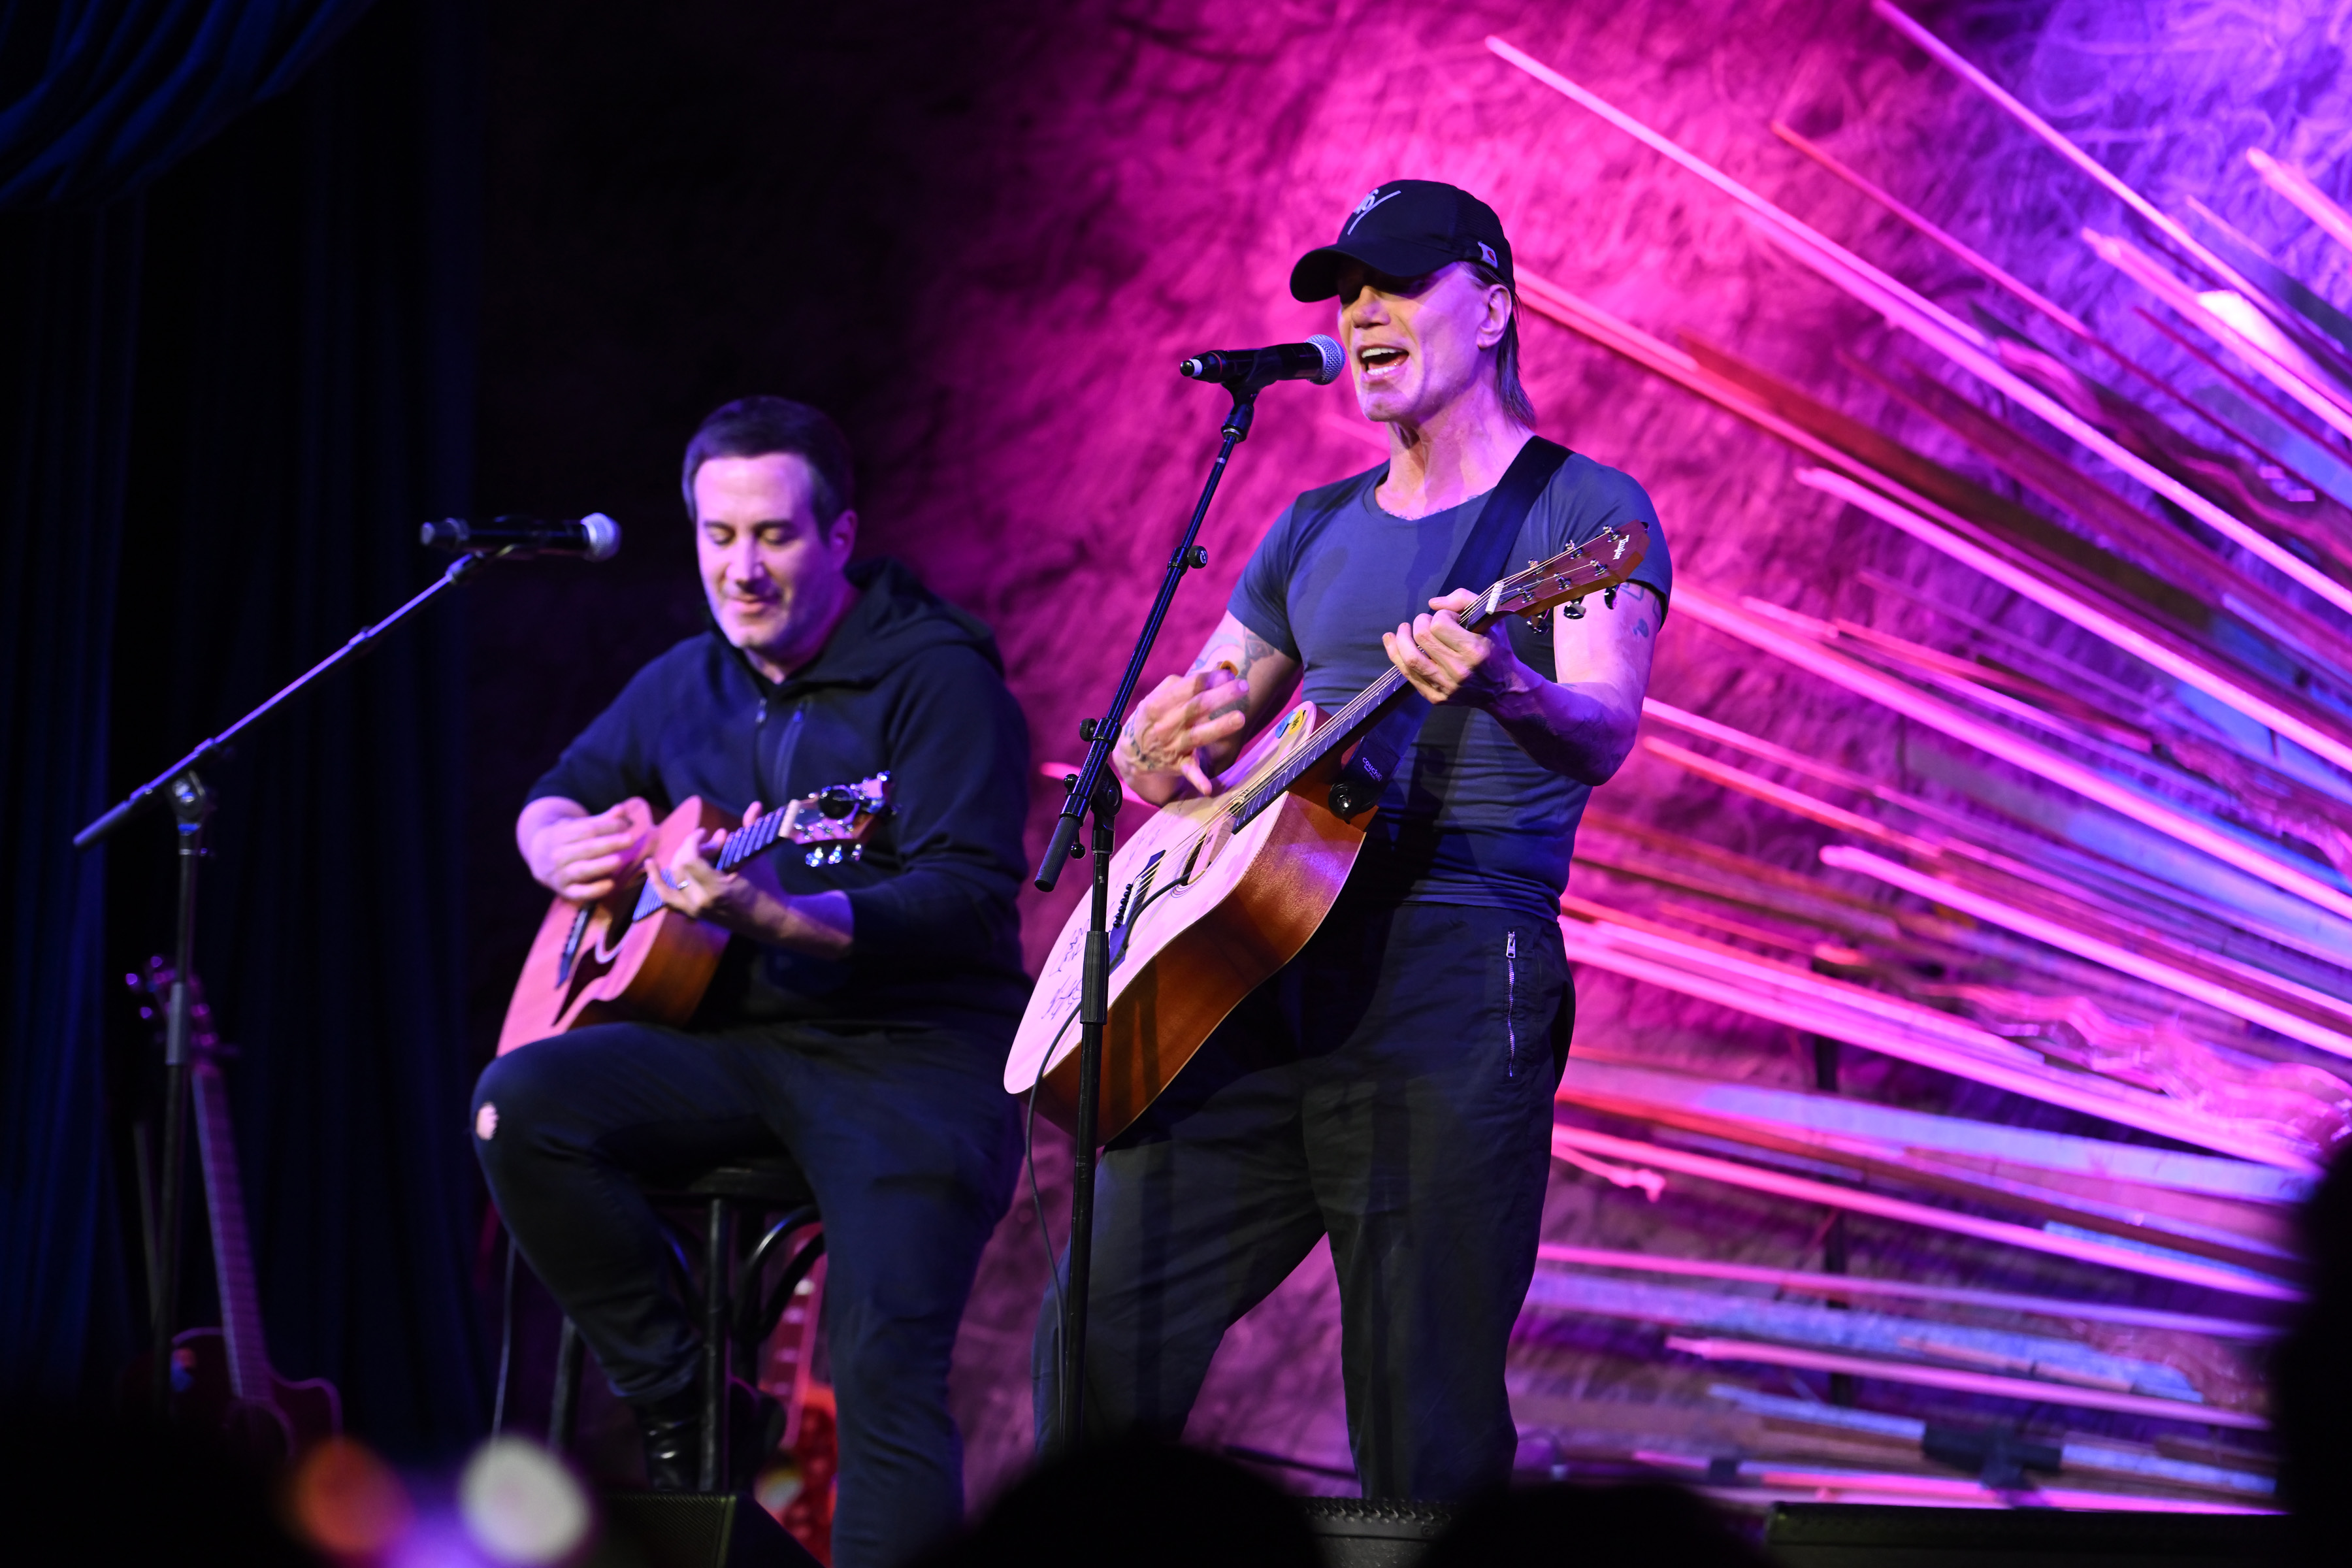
(1215, 894)
(630, 956)
(221, 1378)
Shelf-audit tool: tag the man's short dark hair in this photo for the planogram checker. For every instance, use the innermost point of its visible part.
(757, 426)
(1507, 385)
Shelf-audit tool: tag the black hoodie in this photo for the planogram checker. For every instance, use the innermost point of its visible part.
(907, 683)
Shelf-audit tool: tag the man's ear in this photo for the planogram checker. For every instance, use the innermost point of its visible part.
(1497, 325)
(841, 537)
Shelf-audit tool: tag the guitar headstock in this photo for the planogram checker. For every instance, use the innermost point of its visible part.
(836, 816)
(1604, 561)
(154, 990)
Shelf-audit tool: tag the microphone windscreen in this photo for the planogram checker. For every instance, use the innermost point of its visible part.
(1334, 359)
(604, 536)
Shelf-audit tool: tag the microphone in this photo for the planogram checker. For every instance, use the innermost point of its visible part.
(1318, 360)
(596, 537)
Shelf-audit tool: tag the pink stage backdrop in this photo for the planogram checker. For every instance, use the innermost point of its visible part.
(1102, 189)
(1142, 195)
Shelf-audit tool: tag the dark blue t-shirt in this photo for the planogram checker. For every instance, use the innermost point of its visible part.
(1471, 819)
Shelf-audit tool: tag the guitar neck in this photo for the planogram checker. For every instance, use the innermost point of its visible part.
(240, 1302)
(752, 839)
(1340, 731)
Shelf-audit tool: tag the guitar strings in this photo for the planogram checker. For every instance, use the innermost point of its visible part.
(1255, 793)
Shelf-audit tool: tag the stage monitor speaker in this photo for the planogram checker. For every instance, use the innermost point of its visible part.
(1865, 1535)
(1354, 1533)
(693, 1530)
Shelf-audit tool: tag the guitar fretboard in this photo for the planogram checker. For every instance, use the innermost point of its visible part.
(248, 1358)
(748, 841)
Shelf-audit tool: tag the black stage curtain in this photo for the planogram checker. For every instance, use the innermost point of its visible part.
(224, 449)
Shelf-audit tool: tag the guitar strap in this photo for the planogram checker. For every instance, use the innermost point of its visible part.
(1481, 562)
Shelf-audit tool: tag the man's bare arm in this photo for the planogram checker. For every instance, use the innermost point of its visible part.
(1580, 725)
(1193, 725)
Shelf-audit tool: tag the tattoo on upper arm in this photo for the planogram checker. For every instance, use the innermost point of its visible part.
(1646, 604)
(1236, 655)
(1254, 649)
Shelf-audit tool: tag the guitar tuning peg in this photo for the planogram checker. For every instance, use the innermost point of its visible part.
(1573, 610)
(1609, 595)
(813, 858)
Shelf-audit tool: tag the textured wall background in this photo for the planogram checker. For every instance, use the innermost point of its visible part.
(982, 235)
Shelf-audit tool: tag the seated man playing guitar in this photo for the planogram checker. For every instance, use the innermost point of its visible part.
(857, 1020)
(1391, 1086)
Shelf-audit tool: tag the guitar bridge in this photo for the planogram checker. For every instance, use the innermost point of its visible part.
(1137, 897)
(571, 943)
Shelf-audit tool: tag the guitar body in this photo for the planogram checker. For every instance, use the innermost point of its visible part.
(1214, 896)
(220, 1380)
(592, 964)
(291, 1420)
(1209, 918)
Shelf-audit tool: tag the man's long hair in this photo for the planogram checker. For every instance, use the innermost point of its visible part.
(1507, 385)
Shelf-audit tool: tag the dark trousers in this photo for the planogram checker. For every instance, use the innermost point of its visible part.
(1392, 1087)
(910, 1145)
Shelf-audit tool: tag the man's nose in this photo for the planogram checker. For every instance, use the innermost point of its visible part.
(744, 561)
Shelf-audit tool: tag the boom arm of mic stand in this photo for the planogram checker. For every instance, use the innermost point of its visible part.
(154, 791)
(1095, 790)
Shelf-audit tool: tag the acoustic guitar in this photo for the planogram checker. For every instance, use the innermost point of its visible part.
(630, 956)
(1215, 894)
(221, 1378)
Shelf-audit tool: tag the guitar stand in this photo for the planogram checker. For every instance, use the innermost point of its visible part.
(1095, 790)
(192, 804)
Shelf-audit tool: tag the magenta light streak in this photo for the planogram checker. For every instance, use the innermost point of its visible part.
(1829, 1483)
(1914, 513)
(2281, 370)
(1935, 889)
(1964, 1382)
(1828, 1007)
(2295, 186)
(2187, 1270)
(2051, 136)
(1941, 330)
(2016, 750)
(1844, 1285)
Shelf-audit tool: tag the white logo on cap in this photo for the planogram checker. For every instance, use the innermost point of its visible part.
(1488, 252)
(1371, 199)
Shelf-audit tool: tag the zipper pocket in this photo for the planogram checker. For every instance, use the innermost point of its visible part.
(1511, 1002)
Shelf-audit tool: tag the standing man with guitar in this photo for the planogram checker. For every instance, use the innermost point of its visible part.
(858, 1019)
(1391, 1085)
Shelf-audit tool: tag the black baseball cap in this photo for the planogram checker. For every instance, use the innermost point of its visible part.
(1407, 228)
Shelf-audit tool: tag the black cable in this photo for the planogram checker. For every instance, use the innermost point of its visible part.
(1029, 1157)
(506, 1342)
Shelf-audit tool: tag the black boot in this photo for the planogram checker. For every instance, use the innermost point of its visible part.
(672, 1429)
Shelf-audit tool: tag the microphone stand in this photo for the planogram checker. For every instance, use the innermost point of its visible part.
(1095, 789)
(192, 802)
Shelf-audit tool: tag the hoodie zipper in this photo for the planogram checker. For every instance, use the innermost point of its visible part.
(1511, 999)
